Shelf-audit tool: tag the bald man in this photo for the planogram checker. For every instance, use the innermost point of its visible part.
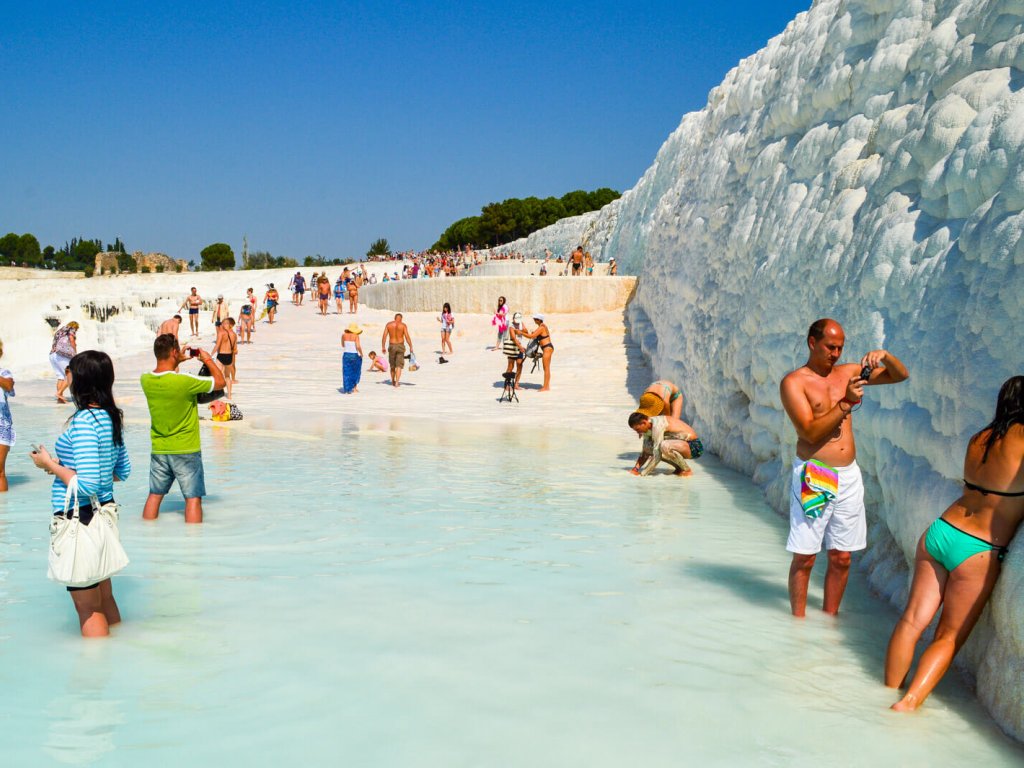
(827, 499)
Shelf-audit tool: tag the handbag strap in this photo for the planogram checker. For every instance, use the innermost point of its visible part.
(71, 497)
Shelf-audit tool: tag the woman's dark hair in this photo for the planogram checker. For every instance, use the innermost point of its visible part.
(1009, 411)
(501, 302)
(447, 308)
(92, 383)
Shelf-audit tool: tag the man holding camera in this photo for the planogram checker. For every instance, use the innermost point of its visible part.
(827, 499)
(174, 426)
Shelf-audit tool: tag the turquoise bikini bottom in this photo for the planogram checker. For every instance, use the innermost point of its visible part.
(951, 546)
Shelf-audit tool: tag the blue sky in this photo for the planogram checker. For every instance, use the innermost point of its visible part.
(316, 127)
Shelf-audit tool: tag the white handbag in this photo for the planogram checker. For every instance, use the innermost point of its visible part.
(83, 555)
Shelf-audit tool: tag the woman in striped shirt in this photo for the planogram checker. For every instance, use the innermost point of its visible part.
(91, 448)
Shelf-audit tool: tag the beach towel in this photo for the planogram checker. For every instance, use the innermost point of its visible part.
(819, 486)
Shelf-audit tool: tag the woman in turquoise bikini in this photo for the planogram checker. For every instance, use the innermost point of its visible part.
(959, 557)
(670, 396)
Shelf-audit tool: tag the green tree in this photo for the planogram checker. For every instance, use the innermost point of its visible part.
(217, 256)
(500, 223)
(599, 198)
(126, 262)
(28, 250)
(9, 247)
(576, 202)
(379, 247)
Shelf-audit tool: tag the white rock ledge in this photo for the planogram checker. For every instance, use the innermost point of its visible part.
(868, 165)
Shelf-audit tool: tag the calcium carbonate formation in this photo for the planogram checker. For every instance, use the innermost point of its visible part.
(868, 165)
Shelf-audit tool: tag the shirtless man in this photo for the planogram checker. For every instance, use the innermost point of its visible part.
(171, 326)
(323, 293)
(577, 261)
(193, 301)
(225, 350)
(666, 438)
(392, 342)
(819, 398)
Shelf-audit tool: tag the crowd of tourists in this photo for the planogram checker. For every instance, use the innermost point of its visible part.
(958, 558)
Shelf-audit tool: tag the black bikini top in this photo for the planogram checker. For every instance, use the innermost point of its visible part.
(987, 492)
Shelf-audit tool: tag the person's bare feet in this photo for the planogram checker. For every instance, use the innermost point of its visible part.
(544, 389)
(908, 703)
(683, 472)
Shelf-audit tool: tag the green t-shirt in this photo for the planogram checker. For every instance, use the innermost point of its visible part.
(174, 420)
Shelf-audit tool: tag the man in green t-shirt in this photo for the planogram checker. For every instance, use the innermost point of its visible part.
(174, 426)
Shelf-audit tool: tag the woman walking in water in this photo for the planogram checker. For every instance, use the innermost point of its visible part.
(6, 422)
(92, 450)
(960, 555)
(64, 347)
(500, 320)
(447, 320)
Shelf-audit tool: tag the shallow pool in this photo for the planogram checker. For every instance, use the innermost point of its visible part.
(413, 593)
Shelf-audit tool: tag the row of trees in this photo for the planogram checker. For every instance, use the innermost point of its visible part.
(77, 255)
(264, 260)
(500, 223)
(219, 256)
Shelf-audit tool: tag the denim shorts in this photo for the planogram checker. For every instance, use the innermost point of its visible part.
(187, 468)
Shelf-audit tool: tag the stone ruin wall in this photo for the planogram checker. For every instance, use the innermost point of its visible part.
(106, 262)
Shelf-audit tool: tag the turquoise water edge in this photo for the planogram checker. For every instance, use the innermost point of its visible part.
(408, 592)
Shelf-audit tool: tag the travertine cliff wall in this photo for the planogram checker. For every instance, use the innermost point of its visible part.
(867, 164)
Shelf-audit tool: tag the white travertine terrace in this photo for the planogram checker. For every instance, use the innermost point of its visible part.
(867, 164)
(479, 294)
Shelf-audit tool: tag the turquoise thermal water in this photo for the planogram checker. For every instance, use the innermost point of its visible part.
(401, 592)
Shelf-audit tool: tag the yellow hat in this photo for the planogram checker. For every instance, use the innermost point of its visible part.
(650, 404)
(353, 328)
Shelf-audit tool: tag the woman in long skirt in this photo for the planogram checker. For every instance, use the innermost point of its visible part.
(351, 359)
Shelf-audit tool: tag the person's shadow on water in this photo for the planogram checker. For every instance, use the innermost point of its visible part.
(17, 479)
(749, 583)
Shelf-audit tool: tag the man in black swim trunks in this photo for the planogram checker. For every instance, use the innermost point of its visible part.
(577, 261)
(193, 301)
(225, 350)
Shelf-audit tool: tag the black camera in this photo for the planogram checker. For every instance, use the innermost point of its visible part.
(865, 372)
(193, 352)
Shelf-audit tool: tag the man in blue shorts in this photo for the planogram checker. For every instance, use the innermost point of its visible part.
(193, 302)
(174, 426)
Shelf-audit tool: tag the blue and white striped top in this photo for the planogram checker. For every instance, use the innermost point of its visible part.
(87, 446)
(6, 422)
